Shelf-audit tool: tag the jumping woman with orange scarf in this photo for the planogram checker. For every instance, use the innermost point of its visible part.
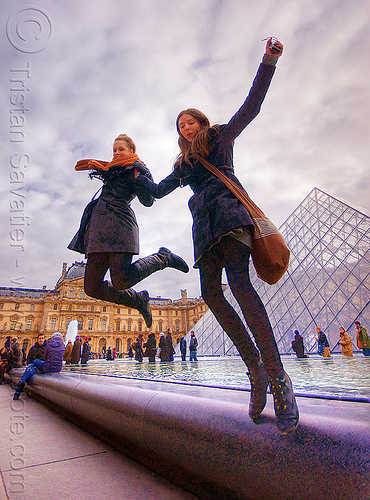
(109, 235)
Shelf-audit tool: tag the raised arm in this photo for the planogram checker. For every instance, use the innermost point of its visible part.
(252, 105)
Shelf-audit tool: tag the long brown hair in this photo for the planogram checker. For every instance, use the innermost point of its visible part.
(200, 144)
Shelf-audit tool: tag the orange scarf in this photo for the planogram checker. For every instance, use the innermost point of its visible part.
(123, 161)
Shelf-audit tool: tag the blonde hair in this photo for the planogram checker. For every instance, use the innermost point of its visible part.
(130, 143)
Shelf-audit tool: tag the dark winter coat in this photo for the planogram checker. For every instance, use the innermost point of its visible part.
(138, 348)
(150, 347)
(16, 356)
(109, 224)
(53, 356)
(36, 351)
(76, 352)
(193, 343)
(85, 352)
(298, 346)
(215, 210)
(164, 349)
(182, 344)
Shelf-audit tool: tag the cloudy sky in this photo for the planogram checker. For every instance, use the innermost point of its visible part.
(76, 74)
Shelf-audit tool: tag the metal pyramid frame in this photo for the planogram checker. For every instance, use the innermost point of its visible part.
(327, 283)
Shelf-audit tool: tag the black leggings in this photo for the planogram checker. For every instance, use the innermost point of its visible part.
(234, 257)
(123, 274)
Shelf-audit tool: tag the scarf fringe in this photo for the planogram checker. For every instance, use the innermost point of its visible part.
(122, 161)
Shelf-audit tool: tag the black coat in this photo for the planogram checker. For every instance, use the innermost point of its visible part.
(215, 210)
(109, 224)
(36, 351)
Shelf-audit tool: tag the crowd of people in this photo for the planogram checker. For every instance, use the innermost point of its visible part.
(345, 341)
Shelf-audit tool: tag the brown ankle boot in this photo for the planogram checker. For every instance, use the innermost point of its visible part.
(259, 383)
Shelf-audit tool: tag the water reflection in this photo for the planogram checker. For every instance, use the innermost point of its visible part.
(337, 375)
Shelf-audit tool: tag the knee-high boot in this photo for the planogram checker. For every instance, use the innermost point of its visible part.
(129, 298)
(163, 258)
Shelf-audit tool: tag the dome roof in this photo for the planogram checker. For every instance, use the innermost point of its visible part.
(77, 270)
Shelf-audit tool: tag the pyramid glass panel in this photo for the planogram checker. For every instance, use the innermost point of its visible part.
(327, 283)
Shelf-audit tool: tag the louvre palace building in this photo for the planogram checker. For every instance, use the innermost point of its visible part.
(26, 312)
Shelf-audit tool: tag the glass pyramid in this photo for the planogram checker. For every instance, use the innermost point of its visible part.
(327, 283)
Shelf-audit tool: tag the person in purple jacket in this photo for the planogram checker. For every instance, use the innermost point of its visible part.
(52, 363)
(222, 236)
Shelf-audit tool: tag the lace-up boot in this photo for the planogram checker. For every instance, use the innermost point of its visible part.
(286, 410)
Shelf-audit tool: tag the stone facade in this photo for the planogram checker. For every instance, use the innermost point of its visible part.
(27, 312)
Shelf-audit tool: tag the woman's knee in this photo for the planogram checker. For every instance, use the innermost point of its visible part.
(120, 281)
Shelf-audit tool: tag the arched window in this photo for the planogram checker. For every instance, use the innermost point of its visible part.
(118, 342)
(160, 326)
(80, 322)
(91, 308)
(16, 307)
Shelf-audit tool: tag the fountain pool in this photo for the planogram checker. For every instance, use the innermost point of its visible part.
(336, 377)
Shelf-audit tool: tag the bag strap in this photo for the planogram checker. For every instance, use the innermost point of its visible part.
(237, 190)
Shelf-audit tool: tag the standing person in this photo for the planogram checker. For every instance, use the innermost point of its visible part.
(164, 352)
(76, 351)
(323, 347)
(346, 343)
(297, 345)
(109, 354)
(183, 348)
(52, 363)
(363, 341)
(109, 234)
(68, 352)
(8, 342)
(15, 359)
(150, 347)
(193, 345)
(37, 350)
(169, 343)
(86, 349)
(222, 234)
(138, 348)
(4, 359)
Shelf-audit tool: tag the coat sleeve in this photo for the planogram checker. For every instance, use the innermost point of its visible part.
(166, 186)
(252, 105)
(145, 198)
